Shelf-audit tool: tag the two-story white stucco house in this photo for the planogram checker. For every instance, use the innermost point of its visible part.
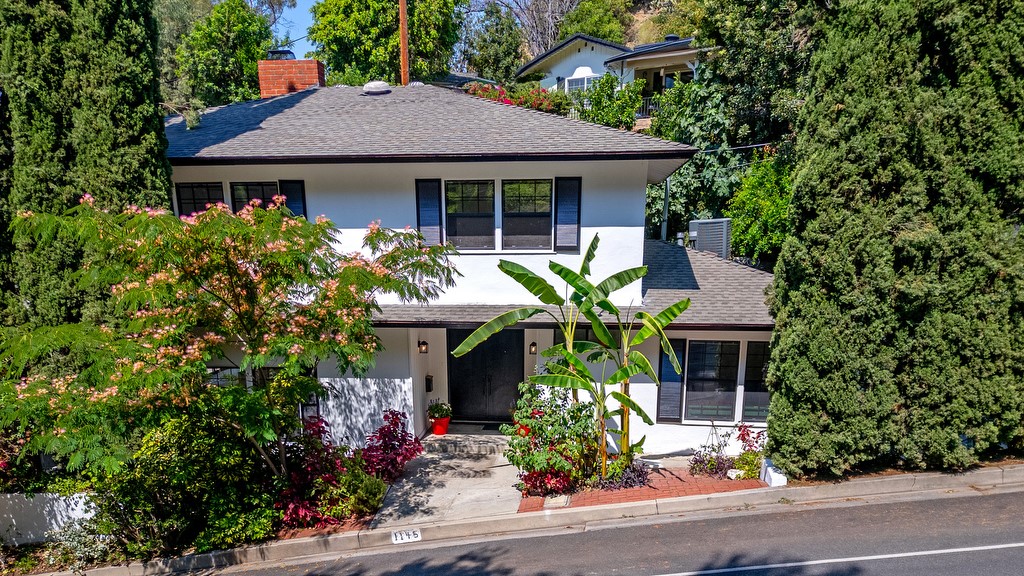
(497, 182)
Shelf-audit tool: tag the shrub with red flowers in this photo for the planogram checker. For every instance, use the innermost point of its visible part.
(753, 450)
(551, 441)
(390, 447)
(534, 97)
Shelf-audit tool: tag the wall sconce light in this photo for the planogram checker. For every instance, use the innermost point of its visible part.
(533, 348)
(423, 346)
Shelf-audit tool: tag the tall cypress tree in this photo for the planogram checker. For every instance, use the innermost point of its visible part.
(80, 76)
(899, 302)
(116, 126)
(6, 245)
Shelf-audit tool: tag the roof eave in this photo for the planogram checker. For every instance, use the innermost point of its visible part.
(680, 155)
(525, 68)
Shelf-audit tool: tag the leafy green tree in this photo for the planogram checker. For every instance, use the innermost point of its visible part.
(175, 19)
(899, 300)
(495, 48)
(759, 60)
(760, 209)
(616, 341)
(695, 113)
(608, 104)
(218, 59)
(363, 35)
(679, 17)
(271, 9)
(263, 286)
(607, 19)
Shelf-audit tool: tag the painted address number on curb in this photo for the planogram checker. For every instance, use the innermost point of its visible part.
(403, 536)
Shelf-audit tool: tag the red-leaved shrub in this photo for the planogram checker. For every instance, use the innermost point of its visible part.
(390, 447)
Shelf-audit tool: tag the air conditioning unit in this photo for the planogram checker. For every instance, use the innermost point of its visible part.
(713, 235)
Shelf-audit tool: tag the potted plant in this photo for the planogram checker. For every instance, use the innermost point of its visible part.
(440, 414)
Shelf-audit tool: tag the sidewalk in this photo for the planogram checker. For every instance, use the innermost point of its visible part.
(442, 523)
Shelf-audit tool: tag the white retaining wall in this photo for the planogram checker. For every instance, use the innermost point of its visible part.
(26, 520)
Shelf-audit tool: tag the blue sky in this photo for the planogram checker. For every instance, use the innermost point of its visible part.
(295, 22)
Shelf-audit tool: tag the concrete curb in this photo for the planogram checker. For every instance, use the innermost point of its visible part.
(440, 531)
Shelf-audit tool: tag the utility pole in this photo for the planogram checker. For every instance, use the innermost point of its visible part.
(403, 39)
(664, 210)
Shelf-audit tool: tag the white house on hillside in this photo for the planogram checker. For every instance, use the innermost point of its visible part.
(577, 61)
(497, 182)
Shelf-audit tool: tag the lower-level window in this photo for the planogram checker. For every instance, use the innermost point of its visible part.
(708, 387)
(755, 392)
(711, 380)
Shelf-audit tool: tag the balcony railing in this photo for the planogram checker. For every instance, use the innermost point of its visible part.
(648, 106)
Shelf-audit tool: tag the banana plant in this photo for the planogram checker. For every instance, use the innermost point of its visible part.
(568, 370)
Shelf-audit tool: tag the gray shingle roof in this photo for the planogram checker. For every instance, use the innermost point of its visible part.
(340, 124)
(643, 49)
(722, 293)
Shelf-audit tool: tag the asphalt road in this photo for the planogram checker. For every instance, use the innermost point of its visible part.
(960, 536)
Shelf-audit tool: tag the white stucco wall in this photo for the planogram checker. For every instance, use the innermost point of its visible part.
(26, 520)
(354, 406)
(353, 195)
(579, 53)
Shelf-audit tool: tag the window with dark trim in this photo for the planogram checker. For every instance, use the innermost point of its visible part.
(197, 196)
(708, 392)
(526, 214)
(469, 214)
(294, 192)
(244, 192)
(670, 393)
(711, 372)
(755, 392)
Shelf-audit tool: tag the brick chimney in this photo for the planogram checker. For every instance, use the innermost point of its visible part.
(279, 77)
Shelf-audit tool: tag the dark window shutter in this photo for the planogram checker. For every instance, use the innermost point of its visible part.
(567, 213)
(428, 210)
(294, 192)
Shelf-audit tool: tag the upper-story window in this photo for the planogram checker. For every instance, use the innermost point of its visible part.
(535, 214)
(294, 192)
(526, 214)
(470, 213)
(196, 196)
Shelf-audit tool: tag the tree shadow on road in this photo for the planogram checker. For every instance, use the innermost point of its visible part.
(486, 561)
(772, 565)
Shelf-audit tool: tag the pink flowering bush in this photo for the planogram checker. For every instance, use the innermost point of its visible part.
(262, 284)
(536, 98)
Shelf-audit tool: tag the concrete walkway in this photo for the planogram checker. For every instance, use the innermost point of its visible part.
(461, 475)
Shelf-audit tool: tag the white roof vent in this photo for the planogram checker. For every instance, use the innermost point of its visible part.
(376, 88)
(415, 83)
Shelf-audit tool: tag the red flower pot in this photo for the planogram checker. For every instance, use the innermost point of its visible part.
(439, 426)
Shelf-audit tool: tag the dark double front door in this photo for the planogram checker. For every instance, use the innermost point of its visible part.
(484, 384)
